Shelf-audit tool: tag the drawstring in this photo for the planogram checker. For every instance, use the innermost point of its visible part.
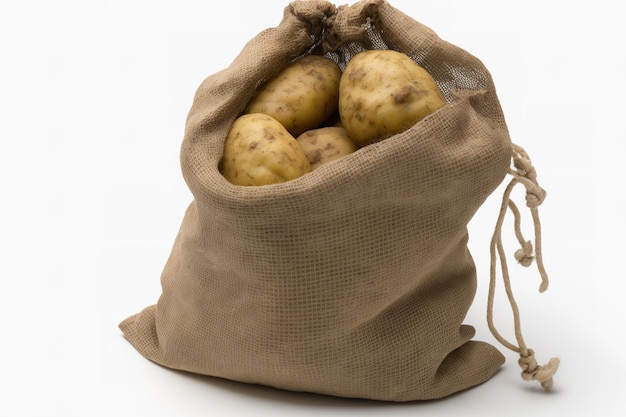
(525, 174)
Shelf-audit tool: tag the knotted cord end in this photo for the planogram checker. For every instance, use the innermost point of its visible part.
(524, 255)
(531, 371)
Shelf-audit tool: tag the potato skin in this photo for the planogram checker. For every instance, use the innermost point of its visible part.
(259, 151)
(325, 144)
(384, 92)
(302, 96)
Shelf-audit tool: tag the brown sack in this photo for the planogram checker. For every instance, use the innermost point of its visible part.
(352, 280)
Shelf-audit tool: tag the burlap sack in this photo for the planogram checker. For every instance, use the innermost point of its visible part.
(353, 280)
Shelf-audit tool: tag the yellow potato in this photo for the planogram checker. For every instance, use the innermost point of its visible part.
(384, 92)
(259, 151)
(302, 96)
(325, 144)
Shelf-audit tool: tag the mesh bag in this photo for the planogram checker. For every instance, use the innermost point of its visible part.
(352, 280)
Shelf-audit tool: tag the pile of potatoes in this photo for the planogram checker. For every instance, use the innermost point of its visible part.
(312, 113)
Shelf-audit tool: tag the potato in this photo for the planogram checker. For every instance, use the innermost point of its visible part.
(302, 96)
(384, 92)
(325, 144)
(259, 151)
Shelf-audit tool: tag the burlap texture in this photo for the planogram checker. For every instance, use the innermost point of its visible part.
(353, 280)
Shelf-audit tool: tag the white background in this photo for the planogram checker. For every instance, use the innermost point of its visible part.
(93, 100)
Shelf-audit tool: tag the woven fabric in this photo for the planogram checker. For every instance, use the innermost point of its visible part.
(353, 280)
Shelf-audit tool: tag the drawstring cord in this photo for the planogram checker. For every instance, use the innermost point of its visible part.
(525, 174)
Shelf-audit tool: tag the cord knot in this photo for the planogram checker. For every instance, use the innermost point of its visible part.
(524, 255)
(526, 174)
(535, 195)
(531, 371)
(524, 166)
